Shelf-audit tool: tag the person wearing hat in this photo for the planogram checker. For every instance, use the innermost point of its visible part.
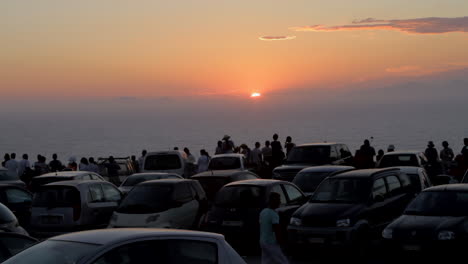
(391, 148)
(228, 144)
(431, 153)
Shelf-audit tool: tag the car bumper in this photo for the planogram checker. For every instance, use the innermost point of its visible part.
(313, 236)
(426, 247)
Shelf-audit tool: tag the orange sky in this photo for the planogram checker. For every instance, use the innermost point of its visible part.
(193, 48)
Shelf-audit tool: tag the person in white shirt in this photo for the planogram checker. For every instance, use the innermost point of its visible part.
(12, 165)
(256, 156)
(189, 163)
(141, 160)
(93, 167)
(83, 166)
(203, 161)
(23, 165)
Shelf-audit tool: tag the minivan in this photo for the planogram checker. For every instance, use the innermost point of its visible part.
(165, 161)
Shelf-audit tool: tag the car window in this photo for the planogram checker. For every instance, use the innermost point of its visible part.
(86, 177)
(344, 151)
(394, 185)
(405, 180)
(333, 153)
(277, 189)
(95, 194)
(17, 196)
(183, 193)
(111, 193)
(293, 193)
(378, 188)
(162, 251)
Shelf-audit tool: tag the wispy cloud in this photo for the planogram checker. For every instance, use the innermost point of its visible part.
(273, 38)
(414, 70)
(429, 25)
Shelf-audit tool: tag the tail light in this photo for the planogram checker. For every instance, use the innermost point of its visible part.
(76, 211)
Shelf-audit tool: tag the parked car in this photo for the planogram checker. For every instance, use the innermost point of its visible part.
(142, 246)
(213, 181)
(44, 179)
(349, 208)
(165, 161)
(125, 163)
(237, 208)
(228, 162)
(8, 178)
(418, 176)
(18, 200)
(137, 178)
(309, 155)
(73, 205)
(309, 178)
(436, 221)
(12, 243)
(174, 203)
(8, 221)
(403, 159)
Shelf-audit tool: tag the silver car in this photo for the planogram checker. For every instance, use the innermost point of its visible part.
(73, 205)
(137, 178)
(132, 246)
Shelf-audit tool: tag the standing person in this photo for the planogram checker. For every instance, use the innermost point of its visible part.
(40, 167)
(256, 155)
(446, 155)
(24, 165)
(12, 165)
(93, 167)
(245, 150)
(431, 153)
(219, 148)
(367, 153)
(141, 160)
(83, 166)
(270, 232)
(55, 164)
(380, 155)
(276, 152)
(72, 164)
(135, 164)
(203, 161)
(189, 163)
(6, 158)
(113, 171)
(288, 145)
(228, 145)
(266, 152)
(464, 152)
(391, 148)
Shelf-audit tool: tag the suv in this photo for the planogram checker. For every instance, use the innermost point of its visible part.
(228, 162)
(350, 207)
(169, 203)
(309, 155)
(165, 161)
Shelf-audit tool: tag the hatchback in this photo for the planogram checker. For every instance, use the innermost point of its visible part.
(137, 178)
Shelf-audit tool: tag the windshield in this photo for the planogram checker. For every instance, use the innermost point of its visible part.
(163, 162)
(399, 161)
(444, 203)
(318, 155)
(134, 180)
(56, 196)
(342, 190)
(224, 163)
(308, 182)
(241, 197)
(147, 199)
(51, 251)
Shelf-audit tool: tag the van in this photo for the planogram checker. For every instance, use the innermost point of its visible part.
(165, 161)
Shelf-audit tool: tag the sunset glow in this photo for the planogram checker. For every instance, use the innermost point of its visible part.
(255, 95)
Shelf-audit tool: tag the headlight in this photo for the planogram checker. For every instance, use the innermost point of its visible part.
(446, 235)
(295, 221)
(343, 223)
(152, 218)
(114, 218)
(387, 233)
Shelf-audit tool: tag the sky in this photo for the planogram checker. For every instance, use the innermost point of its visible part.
(222, 50)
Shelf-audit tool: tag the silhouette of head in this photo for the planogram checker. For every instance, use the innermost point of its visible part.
(176, 148)
(288, 139)
(143, 153)
(25, 156)
(275, 137)
(366, 142)
(257, 144)
(381, 152)
(445, 144)
(133, 158)
(91, 160)
(465, 141)
(54, 156)
(84, 161)
(13, 155)
(7, 156)
(187, 151)
(220, 143)
(430, 144)
(111, 159)
(267, 143)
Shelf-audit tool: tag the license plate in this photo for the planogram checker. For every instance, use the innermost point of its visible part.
(51, 220)
(316, 240)
(412, 247)
(233, 223)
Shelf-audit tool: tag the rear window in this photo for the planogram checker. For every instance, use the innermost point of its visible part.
(146, 199)
(224, 163)
(163, 162)
(56, 196)
(318, 155)
(399, 161)
(241, 197)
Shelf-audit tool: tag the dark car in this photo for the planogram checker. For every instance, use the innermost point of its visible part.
(8, 222)
(18, 200)
(403, 159)
(213, 181)
(351, 207)
(436, 221)
(44, 179)
(11, 244)
(309, 179)
(309, 155)
(8, 178)
(237, 207)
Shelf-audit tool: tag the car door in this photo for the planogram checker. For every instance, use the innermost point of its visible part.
(376, 213)
(112, 198)
(397, 198)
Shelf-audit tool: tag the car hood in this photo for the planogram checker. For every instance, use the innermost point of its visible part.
(424, 226)
(313, 214)
(290, 167)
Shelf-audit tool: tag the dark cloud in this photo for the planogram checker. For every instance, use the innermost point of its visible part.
(272, 38)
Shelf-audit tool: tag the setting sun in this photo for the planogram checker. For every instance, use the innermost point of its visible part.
(255, 95)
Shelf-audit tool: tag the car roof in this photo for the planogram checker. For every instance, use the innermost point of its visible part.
(460, 187)
(403, 152)
(220, 173)
(326, 168)
(407, 169)
(114, 236)
(153, 174)
(365, 173)
(165, 181)
(231, 155)
(258, 182)
(73, 183)
(65, 174)
(320, 144)
(168, 152)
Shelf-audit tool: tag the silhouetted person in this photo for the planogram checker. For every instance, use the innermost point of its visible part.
(176, 148)
(266, 152)
(203, 161)
(72, 165)
(83, 166)
(288, 145)
(113, 171)
(40, 167)
(12, 166)
(135, 164)
(277, 154)
(6, 158)
(380, 155)
(391, 148)
(219, 148)
(141, 160)
(93, 167)
(189, 163)
(464, 151)
(228, 145)
(446, 156)
(367, 153)
(55, 164)
(256, 157)
(24, 166)
(431, 153)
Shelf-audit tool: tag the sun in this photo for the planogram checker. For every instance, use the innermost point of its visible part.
(253, 95)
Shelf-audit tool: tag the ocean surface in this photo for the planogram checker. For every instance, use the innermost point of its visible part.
(125, 133)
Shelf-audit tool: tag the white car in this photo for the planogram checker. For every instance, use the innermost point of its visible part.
(228, 162)
(170, 203)
(165, 161)
(403, 159)
(134, 179)
(132, 246)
